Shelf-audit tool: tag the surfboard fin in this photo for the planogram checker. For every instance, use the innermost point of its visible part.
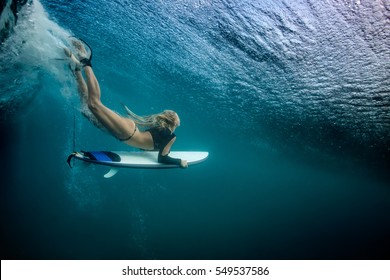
(111, 173)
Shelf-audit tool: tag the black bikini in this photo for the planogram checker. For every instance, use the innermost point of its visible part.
(161, 137)
(135, 129)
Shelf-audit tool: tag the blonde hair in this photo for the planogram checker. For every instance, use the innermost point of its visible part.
(167, 118)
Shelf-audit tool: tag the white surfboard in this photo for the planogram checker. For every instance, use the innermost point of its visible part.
(144, 159)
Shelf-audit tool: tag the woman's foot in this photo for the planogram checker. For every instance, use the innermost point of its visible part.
(82, 54)
(79, 58)
(74, 63)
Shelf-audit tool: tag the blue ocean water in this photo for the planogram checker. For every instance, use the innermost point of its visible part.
(291, 99)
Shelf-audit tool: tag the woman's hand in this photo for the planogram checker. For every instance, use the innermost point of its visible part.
(183, 163)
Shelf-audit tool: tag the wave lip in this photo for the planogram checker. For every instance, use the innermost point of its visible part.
(33, 49)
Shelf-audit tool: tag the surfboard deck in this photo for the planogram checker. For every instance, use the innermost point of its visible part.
(130, 159)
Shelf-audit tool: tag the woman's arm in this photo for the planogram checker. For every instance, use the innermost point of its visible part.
(164, 158)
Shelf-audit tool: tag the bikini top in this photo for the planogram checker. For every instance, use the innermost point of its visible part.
(161, 137)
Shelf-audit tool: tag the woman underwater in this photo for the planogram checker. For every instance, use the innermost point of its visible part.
(160, 133)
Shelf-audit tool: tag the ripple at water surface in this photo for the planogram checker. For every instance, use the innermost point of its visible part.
(291, 98)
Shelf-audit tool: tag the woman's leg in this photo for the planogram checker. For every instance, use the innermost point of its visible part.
(75, 67)
(82, 86)
(119, 126)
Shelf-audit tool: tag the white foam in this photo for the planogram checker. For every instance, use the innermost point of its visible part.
(36, 41)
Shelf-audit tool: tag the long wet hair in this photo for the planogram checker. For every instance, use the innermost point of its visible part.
(165, 119)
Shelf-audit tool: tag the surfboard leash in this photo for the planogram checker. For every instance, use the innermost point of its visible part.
(74, 130)
(72, 155)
